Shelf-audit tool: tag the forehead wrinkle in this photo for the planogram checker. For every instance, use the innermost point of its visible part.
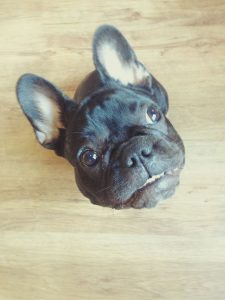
(108, 112)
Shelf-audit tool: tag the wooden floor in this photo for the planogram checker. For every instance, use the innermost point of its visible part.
(54, 244)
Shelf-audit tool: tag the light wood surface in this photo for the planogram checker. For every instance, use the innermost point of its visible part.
(54, 244)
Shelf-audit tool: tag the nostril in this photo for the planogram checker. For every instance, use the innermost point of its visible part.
(146, 152)
(131, 162)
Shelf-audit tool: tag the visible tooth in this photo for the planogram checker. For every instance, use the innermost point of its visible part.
(153, 178)
(170, 172)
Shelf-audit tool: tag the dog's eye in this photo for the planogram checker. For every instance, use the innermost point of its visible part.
(154, 114)
(89, 157)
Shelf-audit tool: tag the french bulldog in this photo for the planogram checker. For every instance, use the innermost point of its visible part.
(115, 133)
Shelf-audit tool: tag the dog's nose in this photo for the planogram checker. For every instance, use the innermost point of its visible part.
(136, 156)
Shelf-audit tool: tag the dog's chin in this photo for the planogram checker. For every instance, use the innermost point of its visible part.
(155, 189)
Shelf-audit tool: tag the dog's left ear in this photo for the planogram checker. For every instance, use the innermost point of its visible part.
(115, 59)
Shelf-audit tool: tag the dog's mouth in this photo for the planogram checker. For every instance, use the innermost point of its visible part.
(161, 185)
(153, 179)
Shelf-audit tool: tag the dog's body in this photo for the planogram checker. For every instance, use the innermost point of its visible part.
(124, 150)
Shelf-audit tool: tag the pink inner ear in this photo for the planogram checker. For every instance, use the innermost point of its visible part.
(130, 72)
(49, 123)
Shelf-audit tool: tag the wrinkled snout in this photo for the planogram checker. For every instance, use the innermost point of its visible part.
(136, 152)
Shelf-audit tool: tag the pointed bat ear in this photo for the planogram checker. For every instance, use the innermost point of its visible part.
(45, 107)
(115, 59)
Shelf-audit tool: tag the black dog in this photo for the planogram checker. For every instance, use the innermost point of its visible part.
(124, 150)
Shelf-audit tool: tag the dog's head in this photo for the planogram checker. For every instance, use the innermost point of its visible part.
(124, 150)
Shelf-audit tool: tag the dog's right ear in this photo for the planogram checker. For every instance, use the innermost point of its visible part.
(46, 108)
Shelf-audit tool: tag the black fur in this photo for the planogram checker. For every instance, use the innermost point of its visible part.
(111, 118)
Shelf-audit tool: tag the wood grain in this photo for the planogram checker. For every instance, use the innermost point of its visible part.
(54, 244)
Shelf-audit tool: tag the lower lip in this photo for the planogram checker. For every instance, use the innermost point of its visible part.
(162, 184)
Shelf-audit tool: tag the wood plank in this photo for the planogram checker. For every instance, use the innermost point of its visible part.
(54, 244)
